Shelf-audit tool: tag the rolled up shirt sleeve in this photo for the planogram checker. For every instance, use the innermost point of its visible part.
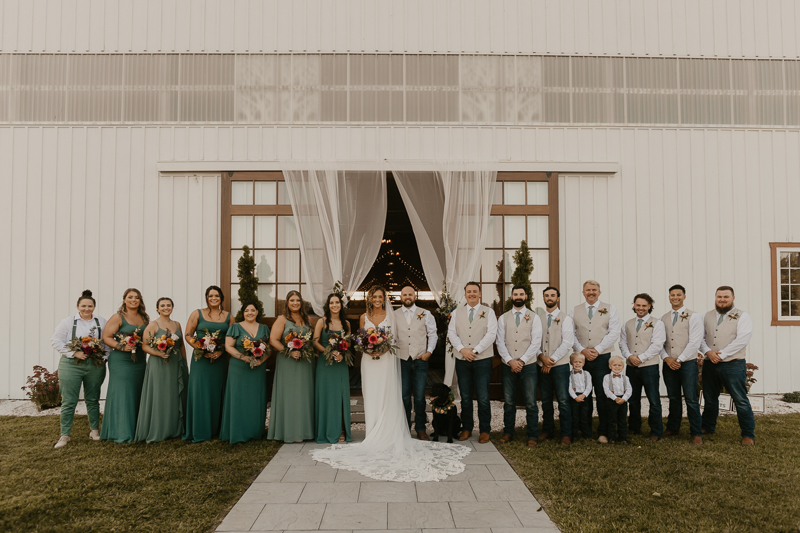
(657, 340)
(744, 330)
(60, 337)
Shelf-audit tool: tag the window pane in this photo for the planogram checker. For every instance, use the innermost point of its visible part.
(491, 294)
(514, 192)
(541, 266)
(266, 293)
(498, 193)
(784, 275)
(510, 264)
(489, 265)
(785, 309)
(515, 231)
(785, 292)
(242, 193)
(795, 308)
(795, 292)
(537, 232)
(538, 299)
(785, 259)
(795, 275)
(265, 265)
(265, 232)
(266, 193)
(287, 232)
(235, 303)
(289, 265)
(283, 197)
(494, 239)
(235, 255)
(794, 259)
(241, 231)
(537, 193)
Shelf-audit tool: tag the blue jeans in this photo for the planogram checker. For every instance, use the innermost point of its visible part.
(733, 376)
(684, 378)
(473, 377)
(645, 377)
(526, 379)
(598, 369)
(414, 374)
(556, 382)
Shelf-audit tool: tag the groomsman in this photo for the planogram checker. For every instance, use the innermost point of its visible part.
(472, 331)
(727, 333)
(641, 342)
(684, 333)
(557, 339)
(519, 339)
(596, 331)
(416, 340)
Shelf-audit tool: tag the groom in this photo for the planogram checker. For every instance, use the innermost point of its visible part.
(416, 340)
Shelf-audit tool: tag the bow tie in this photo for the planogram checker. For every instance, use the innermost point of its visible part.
(617, 375)
(577, 371)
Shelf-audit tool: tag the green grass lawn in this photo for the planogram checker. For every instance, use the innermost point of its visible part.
(101, 486)
(670, 485)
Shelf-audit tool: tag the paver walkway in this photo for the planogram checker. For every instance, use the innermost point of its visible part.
(295, 493)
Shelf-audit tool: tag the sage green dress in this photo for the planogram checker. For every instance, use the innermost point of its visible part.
(163, 406)
(206, 385)
(125, 381)
(332, 398)
(244, 410)
(291, 417)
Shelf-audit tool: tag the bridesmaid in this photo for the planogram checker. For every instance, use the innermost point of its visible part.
(74, 368)
(244, 411)
(126, 375)
(291, 416)
(332, 399)
(161, 413)
(208, 374)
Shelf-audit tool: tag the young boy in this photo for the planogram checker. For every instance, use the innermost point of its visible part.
(580, 386)
(618, 391)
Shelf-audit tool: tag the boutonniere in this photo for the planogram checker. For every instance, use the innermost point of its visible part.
(527, 318)
(733, 316)
(482, 315)
(648, 325)
(557, 320)
(684, 316)
(421, 315)
(602, 310)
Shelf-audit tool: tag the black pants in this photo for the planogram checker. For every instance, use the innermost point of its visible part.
(618, 416)
(581, 418)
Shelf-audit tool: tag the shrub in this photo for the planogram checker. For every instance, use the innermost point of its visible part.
(792, 397)
(43, 389)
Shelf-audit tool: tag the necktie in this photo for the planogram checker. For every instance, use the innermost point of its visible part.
(578, 372)
(638, 324)
(408, 316)
(719, 320)
(617, 375)
(549, 319)
(591, 312)
(674, 317)
(517, 313)
(471, 314)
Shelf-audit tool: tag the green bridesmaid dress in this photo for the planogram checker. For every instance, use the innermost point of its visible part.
(163, 405)
(125, 381)
(206, 386)
(291, 416)
(332, 399)
(244, 411)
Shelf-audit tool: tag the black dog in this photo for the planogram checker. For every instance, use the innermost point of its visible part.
(445, 416)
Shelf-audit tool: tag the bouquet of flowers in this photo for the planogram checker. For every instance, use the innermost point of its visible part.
(445, 310)
(208, 344)
(341, 344)
(301, 342)
(165, 343)
(134, 340)
(256, 348)
(90, 345)
(374, 342)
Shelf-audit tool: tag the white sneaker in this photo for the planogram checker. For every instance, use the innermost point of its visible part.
(61, 442)
(602, 439)
(94, 434)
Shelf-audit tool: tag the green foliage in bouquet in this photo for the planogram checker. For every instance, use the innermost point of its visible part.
(522, 274)
(248, 283)
(43, 389)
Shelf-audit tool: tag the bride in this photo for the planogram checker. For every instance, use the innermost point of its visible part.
(388, 453)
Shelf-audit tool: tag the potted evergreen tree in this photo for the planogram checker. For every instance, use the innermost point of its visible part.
(522, 274)
(248, 283)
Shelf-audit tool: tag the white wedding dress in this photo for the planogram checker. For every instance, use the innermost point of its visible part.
(388, 452)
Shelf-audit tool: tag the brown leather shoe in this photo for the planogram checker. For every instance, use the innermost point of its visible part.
(531, 443)
(505, 438)
(483, 438)
(697, 440)
(669, 433)
(421, 435)
(653, 438)
(566, 441)
(747, 441)
(543, 436)
(464, 435)
(708, 432)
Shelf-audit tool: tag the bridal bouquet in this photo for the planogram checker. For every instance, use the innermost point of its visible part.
(207, 344)
(164, 343)
(374, 342)
(90, 345)
(300, 342)
(255, 348)
(133, 340)
(338, 344)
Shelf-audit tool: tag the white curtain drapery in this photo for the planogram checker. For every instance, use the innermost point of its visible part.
(340, 220)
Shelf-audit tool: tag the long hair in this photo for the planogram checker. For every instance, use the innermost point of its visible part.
(370, 293)
(288, 314)
(328, 317)
(221, 296)
(142, 309)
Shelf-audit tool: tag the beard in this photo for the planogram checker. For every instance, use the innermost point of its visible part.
(551, 303)
(723, 310)
(518, 303)
(407, 304)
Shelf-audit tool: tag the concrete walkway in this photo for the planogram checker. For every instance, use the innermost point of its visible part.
(295, 493)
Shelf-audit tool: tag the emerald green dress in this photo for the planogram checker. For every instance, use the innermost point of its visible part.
(244, 411)
(291, 417)
(332, 399)
(125, 381)
(206, 386)
(163, 405)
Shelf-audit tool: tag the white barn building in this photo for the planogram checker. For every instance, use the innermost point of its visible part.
(639, 143)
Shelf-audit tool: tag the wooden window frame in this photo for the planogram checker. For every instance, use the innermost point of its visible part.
(773, 251)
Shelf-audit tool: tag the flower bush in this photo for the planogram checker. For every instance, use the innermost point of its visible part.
(43, 389)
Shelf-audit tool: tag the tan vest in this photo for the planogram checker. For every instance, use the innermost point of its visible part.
(677, 335)
(591, 332)
(412, 339)
(518, 338)
(639, 341)
(551, 337)
(718, 337)
(471, 334)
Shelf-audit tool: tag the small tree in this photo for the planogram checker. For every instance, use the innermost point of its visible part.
(522, 274)
(248, 283)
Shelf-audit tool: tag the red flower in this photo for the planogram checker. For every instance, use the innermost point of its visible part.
(344, 345)
(297, 344)
(373, 339)
(257, 351)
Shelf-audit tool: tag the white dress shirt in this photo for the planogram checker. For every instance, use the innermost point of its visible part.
(535, 347)
(567, 335)
(657, 339)
(696, 335)
(615, 387)
(744, 330)
(63, 333)
(410, 313)
(612, 336)
(580, 383)
(485, 342)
